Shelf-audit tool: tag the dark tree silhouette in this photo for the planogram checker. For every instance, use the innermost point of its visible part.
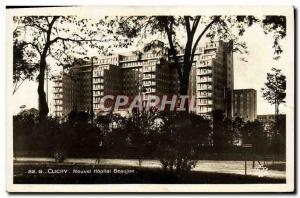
(253, 133)
(23, 67)
(279, 137)
(141, 126)
(274, 90)
(181, 135)
(225, 131)
(59, 38)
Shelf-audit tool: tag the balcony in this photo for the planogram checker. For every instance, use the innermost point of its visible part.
(205, 63)
(58, 97)
(97, 82)
(204, 88)
(211, 45)
(201, 73)
(58, 85)
(96, 88)
(149, 83)
(149, 77)
(209, 95)
(98, 74)
(58, 90)
(203, 103)
(149, 71)
(205, 80)
(98, 93)
(204, 111)
(128, 58)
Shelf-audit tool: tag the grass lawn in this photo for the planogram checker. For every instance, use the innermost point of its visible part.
(51, 173)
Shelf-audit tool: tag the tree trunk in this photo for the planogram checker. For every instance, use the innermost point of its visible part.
(183, 89)
(184, 81)
(43, 106)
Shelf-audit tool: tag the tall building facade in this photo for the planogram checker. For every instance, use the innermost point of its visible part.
(58, 96)
(131, 75)
(73, 89)
(214, 78)
(148, 74)
(245, 104)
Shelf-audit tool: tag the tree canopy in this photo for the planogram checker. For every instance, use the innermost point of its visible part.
(37, 39)
(60, 38)
(274, 90)
(182, 34)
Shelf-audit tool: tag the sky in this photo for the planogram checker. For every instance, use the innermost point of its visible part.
(247, 74)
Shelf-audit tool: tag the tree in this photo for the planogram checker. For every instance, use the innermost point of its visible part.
(238, 124)
(181, 135)
(23, 136)
(33, 138)
(225, 131)
(78, 136)
(274, 90)
(23, 68)
(141, 126)
(226, 28)
(278, 138)
(218, 132)
(253, 133)
(58, 38)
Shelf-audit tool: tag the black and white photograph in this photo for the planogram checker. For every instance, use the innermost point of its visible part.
(150, 99)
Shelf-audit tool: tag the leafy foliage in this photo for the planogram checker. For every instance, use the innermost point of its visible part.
(225, 131)
(253, 133)
(274, 90)
(180, 136)
(59, 38)
(168, 28)
(23, 66)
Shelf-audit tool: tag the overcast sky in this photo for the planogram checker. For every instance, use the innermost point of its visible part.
(249, 74)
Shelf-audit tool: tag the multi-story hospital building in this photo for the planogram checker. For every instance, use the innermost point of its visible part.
(146, 74)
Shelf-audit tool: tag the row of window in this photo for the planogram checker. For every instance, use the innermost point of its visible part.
(206, 62)
(135, 64)
(58, 102)
(204, 86)
(149, 75)
(58, 108)
(98, 80)
(203, 71)
(149, 83)
(204, 79)
(150, 89)
(58, 90)
(98, 93)
(204, 94)
(98, 73)
(111, 60)
(211, 45)
(98, 86)
(58, 95)
(149, 69)
(204, 109)
(208, 56)
(204, 101)
(58, 113)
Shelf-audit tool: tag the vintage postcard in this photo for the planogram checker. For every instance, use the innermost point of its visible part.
(150, 99)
